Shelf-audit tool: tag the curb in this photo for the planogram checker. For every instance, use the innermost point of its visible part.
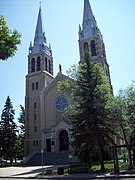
(73, 177)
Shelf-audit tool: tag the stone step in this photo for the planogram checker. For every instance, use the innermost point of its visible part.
(50, 158)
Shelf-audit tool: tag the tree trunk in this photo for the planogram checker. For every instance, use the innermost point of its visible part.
(116, 162)
(11, 161)
(15, 160)
(129, 150)
(133, 156)
(90, 158)
(101, 158)
(124, 134)
(130, 159)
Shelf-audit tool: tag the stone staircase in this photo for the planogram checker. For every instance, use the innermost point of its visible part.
(50, 158)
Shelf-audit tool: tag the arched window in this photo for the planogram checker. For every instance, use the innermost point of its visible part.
(93, 48)
(33, 65)
(86, 47)
(36, 85)
(33, 86)
(46, 63)
(36, 131)
(38, 63)
(49, 66)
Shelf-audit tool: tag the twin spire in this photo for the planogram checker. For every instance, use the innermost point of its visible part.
(89, 28)
(89, 24)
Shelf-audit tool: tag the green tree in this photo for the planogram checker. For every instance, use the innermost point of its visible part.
(21, 120)
(20, 138)
(129, 96)
(91, 93)
(125, 115)
(8, 40)
(8, 131)
(19, 147)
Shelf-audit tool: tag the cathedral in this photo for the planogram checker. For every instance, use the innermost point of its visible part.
(47, 127)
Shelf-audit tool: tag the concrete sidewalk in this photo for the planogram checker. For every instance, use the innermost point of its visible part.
(33, 172)
(20, 171)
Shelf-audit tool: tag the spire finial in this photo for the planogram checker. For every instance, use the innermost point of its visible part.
(40, 5)
(39, 34)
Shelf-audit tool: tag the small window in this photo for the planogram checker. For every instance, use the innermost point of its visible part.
(36, 85)
(86, 47)
(93, 48)
(33, 86)
(38, 64)
(49, 66)
(52, 142)
(36, 142)
(46, 63)
(33, 65)
(35, 117)
(35, 105)
(35, 128)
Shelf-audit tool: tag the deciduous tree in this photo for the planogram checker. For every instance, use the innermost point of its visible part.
(8, 40)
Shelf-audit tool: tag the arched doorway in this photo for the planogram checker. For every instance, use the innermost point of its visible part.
(63, 140)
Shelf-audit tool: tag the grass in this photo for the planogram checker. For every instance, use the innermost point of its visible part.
(109, 166)
(96, 168)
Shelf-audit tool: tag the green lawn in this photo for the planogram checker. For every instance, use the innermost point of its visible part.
(109, 166)
(78, 168)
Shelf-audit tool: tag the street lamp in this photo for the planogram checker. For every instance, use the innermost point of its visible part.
(42, 148)
(70, 159)
(42, 158)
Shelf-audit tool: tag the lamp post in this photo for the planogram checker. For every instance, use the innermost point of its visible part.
(42, 158)
(70, 158)
(42, 148)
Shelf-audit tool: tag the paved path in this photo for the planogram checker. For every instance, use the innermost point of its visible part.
(29, 172)
(20, 171)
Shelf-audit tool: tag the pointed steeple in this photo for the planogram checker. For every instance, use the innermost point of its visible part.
(91, 41)
(40, 43)
(87, 14)
(89, 25)
(39, 34)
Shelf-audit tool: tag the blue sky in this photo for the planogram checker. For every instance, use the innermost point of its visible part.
(61, 19)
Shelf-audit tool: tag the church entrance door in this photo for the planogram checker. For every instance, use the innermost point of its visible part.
(63, 140)
(48, 144)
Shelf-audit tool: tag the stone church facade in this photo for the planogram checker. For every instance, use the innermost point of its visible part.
(47, 127)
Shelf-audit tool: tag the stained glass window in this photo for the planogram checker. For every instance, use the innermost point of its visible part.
(61, 103)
